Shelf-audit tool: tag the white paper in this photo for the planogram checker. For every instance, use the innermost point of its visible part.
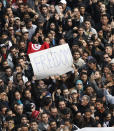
(97, 129)
(53, 61)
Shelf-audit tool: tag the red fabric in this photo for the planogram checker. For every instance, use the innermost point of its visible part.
(14, 1)
(36, 47)
(35, 114)
(4, 55)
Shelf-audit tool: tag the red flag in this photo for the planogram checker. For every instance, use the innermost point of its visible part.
(36, 47)
(14, 1)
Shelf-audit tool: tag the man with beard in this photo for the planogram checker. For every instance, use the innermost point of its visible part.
(8, 75)
(19, 114)
(62, 106)
(12, 56)
(53, 125)
(88, 120)
(31, 28)
(84, 104)
(43, 125)
(54, 115)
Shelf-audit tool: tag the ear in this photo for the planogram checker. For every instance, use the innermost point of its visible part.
(102, 105)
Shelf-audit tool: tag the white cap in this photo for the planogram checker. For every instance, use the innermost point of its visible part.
(16, 18)
(24, 30)
(63, 2)
(2, 45)
(73, 91)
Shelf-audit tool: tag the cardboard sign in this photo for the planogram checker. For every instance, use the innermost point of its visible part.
(53, 61)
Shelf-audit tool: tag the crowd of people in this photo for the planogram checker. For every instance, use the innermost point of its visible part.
(81, 98)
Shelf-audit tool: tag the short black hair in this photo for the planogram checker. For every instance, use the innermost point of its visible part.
(8, 67)
(88, 110)
(99, 100)
(105, 15)
(33, 120)
(66, 111)
(83, 73)
(19, 66)
(13, 47)
(52, 120)
(44, 5)
(24, 125)
(88, 19)
(9, 118)
(47, 101)
(24, 115)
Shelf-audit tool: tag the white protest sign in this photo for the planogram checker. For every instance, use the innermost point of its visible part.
(97, 129)
(53, 61)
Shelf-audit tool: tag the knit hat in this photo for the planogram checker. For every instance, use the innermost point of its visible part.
(79, 82)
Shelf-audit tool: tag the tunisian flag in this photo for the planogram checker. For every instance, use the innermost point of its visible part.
(36, 47)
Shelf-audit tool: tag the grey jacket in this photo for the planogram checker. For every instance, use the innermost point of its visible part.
(109, 97)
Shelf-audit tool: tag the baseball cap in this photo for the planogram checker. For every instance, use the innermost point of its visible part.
(73, 91)
(63, 2)
(16, 18)
(24, 30)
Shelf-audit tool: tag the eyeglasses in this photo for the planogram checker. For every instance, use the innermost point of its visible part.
(23, 55)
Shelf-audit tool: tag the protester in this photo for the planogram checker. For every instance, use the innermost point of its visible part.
(81, 98)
